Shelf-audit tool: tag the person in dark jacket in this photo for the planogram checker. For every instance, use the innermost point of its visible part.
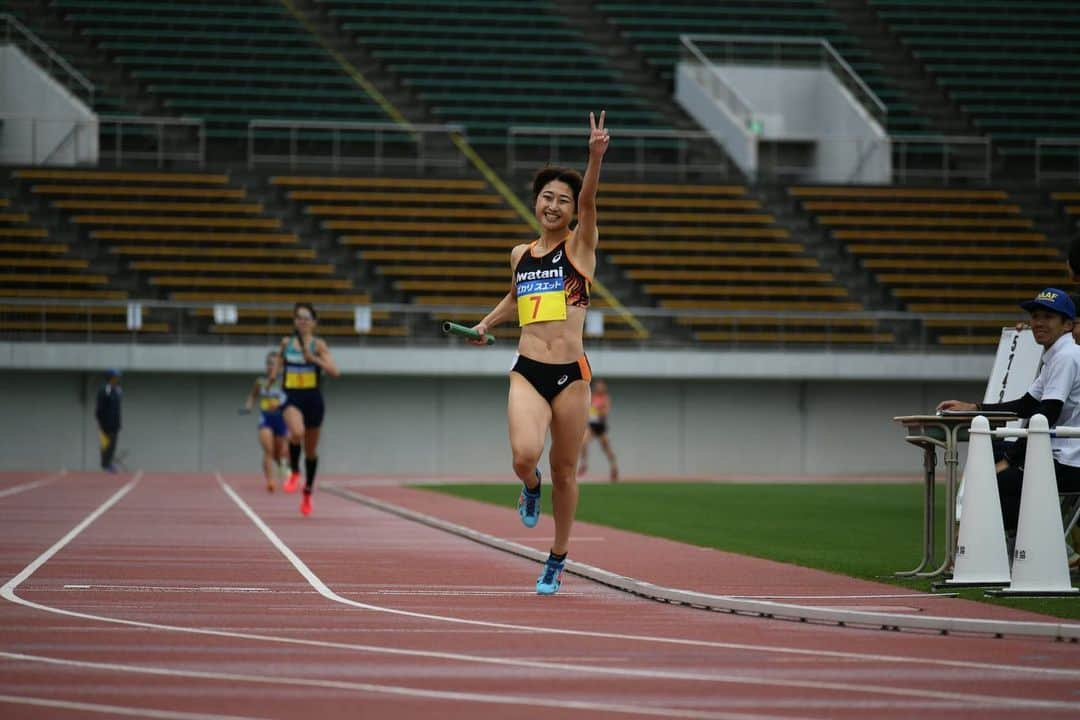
(107, 413)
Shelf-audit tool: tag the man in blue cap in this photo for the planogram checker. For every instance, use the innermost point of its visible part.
(1054, 394)
(107, 413)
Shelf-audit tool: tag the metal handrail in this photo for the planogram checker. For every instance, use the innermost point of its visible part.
(160, 155)
(412, 308)
(637, 138)
(1041, 174)
(856, 78)
(945, 172)
(416, 316)
(739, 106)
(417, 131)
(11, 22)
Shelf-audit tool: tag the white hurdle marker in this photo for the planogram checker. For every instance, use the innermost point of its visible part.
(1040, 564)
(982, 558)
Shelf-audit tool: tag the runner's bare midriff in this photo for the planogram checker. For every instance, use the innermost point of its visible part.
(555, 342)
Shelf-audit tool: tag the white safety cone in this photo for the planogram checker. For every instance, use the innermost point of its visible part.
(1040, 565)
(982, 559)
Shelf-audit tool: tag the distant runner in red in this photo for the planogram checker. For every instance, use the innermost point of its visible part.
(599, 409)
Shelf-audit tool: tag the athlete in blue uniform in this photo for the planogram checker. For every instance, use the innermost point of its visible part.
(549, 382)
(270, 395)
(306, 357)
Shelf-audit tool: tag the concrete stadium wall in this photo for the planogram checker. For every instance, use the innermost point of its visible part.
(457, 425)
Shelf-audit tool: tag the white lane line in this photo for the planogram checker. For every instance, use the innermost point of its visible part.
(920, 596)
(116, 709)
(7, 591)
(10, 585)
(171, 588)
(398, 690)
(16, 489)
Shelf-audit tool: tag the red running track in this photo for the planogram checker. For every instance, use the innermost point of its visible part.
(172, 596)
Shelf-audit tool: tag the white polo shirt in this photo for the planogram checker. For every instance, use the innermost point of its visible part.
(1059, 379)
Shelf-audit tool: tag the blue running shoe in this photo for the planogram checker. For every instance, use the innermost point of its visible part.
(529, 503)
(549, 581)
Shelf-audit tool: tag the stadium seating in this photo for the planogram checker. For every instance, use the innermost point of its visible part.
(226, 63)
(196, 238)
(940, 250)
(1010, 64)
(466, 59)
(35, 267)
(698, 248)
(413, 234)
(1068, 201)
(653, 28)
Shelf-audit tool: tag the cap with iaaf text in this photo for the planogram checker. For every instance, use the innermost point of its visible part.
(1052, 299)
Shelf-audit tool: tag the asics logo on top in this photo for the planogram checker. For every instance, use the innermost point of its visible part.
(557, 258)
(562, 380)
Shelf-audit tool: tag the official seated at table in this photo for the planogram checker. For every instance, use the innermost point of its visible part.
(1055, 393)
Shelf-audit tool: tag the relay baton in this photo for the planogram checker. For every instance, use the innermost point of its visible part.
(451, 328)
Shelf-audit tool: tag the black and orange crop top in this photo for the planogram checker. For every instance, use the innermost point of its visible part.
(544, 286)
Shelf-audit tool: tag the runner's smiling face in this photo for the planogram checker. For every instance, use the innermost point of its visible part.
(555, 206)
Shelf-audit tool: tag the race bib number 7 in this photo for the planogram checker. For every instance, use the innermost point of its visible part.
(541, 300)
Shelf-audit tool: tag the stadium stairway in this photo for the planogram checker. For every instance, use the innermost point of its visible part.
(401, 97)
(490, 66)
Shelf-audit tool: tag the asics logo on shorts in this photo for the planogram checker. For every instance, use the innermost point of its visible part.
(557, 258)
(562, 380)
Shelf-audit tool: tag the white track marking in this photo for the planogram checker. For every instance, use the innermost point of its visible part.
(921, 596)
(171, 588)
(534, 539)
(7, 591)
(116, 709)
(397, 690)
(16, 489)
(326, 592)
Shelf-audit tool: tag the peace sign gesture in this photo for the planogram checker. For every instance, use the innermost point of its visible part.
(598, 134)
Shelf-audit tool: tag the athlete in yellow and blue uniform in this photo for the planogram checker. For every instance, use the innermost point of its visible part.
(270, 395)
(305, 358)
(549, 381)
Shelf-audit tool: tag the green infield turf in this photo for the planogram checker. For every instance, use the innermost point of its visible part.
(866, 531)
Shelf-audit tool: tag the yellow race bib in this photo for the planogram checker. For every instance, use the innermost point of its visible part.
(301, 378)
(541, 300)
